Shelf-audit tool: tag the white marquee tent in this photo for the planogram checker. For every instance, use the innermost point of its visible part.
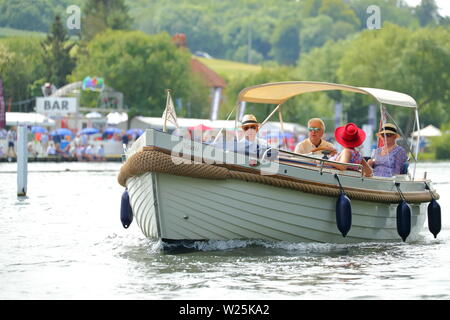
(428, 131)
(28, 118)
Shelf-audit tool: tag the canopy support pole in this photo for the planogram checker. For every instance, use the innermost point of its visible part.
(280, 116)
(417, 143)
(228, 118)
(271, 114)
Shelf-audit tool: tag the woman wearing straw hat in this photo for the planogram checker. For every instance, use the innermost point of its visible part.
(390, 158)
(350, 137)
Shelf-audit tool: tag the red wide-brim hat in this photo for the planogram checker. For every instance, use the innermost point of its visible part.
(350, 136)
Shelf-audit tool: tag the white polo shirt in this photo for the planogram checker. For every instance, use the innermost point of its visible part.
(306, 146)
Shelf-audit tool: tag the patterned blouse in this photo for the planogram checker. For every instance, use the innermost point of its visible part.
(356, 158)
(390, 164)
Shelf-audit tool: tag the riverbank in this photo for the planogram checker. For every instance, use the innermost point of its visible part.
(108, 158)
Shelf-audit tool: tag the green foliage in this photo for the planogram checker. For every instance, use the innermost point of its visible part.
(315, 32)
(243, 54)
(294, 110)
(99, 15)
(9, 32)
(416, 63)
(217, 27)
(21, 66)
(264, 76)
(440, 146)
(191, 19)
(321, 36)
(230, 70)
(338, 10)
(391, 11)
(56, 54)
(35, 15)
(427, 12)
(286, 42)
(142, 67)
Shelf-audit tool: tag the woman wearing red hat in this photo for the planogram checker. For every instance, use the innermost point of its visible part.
(350, 137)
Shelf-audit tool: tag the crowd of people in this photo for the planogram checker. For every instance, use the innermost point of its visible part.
(80, 147)
(388, 160)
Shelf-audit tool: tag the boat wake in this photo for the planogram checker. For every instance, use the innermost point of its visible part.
(258, 246)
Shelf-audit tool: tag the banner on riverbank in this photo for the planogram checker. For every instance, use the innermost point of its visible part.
(56, 106)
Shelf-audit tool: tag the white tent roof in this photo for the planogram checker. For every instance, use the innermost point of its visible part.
(157, 122)
(428, 131)
(186, 122)
(30, 118)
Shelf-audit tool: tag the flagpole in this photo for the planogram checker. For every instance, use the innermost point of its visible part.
(165, 114)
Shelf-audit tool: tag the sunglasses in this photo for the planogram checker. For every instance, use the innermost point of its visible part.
(388, 134)
(250, 127)
(314, 129)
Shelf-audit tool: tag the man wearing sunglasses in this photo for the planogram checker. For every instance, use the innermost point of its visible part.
(250, 143)
(314, 144)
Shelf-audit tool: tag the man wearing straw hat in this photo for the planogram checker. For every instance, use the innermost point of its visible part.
(250, 142)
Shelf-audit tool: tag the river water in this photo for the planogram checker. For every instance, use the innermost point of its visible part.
(65, 241)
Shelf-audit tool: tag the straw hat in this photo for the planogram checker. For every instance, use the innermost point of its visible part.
(350, 136)
(388, 128)
(249, 120)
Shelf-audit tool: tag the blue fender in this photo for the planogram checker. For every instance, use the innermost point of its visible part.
(126, 213)
(343, 214)
(434, 217)
(403, 220)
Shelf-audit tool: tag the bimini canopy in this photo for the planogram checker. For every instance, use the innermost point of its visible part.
(279, 92)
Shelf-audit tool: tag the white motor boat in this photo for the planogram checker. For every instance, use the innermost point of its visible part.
(180, 189)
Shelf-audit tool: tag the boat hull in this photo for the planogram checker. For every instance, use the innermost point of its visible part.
(185, 208)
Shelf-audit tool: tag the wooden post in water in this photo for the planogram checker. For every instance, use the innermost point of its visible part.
(22, 160)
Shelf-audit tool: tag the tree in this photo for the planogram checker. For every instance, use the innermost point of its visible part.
(413, 62)
(428, 13)
(195, 21)
(286, 42)
(441, 145)
(315, 32)
(141, 66)
(56, 54)
(32, 15)
(99, 15)
(21, 67)
(338, 10)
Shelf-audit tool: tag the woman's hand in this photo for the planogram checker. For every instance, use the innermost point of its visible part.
(367, 168)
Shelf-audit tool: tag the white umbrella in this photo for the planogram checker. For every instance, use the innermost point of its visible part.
(116, 117)
(94, 114)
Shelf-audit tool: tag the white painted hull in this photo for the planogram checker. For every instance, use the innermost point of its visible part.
(184, 208)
